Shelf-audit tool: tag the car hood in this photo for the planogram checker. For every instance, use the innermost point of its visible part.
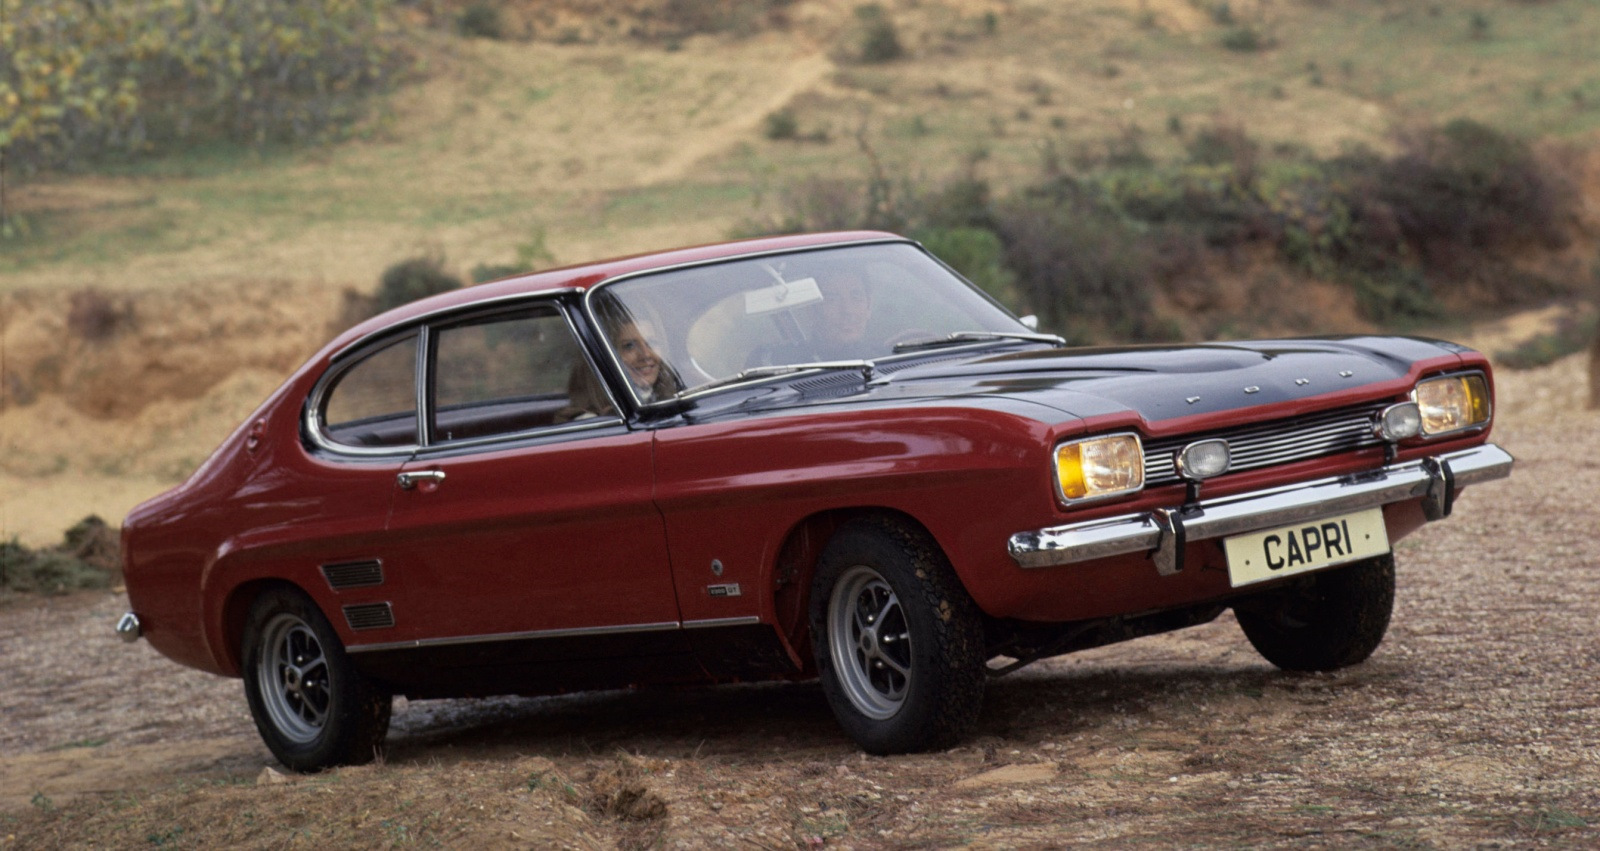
(1166, 382)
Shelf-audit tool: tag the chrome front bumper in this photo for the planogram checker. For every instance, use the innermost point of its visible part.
(1164, 532)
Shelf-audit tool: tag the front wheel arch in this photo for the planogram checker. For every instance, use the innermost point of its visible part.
(796, 565)
(897, 640)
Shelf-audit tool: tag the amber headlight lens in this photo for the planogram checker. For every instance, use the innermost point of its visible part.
(1100, 467)
(1453, 403)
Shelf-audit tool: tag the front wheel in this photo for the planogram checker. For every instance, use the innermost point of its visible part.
(313, 708)
(897, 640)
(1328, 620)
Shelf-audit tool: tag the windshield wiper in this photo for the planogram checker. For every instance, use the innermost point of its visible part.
(958, 337)
(865, 367)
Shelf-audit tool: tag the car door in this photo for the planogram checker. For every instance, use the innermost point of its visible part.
(528, 511)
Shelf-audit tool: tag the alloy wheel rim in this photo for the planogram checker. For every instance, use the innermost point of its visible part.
(293, 678)
(870, 642)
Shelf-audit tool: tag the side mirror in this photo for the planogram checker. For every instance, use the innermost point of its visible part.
(1031, 321)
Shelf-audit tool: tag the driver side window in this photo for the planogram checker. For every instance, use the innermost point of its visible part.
(507, 374)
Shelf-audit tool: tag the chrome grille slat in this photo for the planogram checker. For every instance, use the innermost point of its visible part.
(1285, 457)
(1309, 442)
(1279, 442)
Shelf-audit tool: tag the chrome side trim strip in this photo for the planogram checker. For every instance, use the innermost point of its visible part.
(708, 623)
(1162, 533)
(664, 626)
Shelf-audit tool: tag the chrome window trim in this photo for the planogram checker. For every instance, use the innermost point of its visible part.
(563, 428)
(424, 334)
(591, 424)
(419, 381)
(311, 421)
(431, 316)
(615, 362)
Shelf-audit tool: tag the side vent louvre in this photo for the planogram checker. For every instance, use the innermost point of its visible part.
(369, 616)
(353, 574)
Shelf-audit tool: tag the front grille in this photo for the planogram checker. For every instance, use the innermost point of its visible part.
(369, 616)
(1277, 442)
(354, 574)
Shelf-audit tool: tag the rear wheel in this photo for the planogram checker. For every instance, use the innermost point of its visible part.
(1328, 620)
(313, 708)
(898, 642)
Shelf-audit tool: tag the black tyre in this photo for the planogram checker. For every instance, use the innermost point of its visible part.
(313, 708)
(1327, 620)
(898, 641)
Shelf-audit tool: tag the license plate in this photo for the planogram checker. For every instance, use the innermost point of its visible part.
(1288, 550)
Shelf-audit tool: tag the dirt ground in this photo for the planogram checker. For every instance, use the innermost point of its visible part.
(1476, 724)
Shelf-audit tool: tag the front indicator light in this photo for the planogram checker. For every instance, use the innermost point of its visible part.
(1100, 467)
(1453, 403)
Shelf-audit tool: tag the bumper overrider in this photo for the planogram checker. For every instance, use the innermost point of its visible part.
(1164, 532)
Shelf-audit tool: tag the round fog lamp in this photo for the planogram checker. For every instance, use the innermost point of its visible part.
(1204, 459)
(1398, 422)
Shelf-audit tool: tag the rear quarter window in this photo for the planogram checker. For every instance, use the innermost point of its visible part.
(374, 402)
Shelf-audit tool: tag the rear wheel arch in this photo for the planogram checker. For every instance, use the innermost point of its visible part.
(313, 707)
(236, 612)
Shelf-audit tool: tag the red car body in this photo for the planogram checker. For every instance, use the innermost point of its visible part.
(681, 543)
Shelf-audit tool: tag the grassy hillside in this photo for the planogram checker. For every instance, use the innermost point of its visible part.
(621, 144)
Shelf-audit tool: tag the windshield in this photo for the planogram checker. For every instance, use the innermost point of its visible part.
(684, 329)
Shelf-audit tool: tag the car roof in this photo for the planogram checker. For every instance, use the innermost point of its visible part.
(585, 275)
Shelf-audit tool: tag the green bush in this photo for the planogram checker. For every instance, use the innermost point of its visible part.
(781, 125)
(481, 20)
(961, 203)
(1090, 251)
(879, 38)
(1244, 39)
(1085, 269)
(89, 557)
(409, 280)
(80, 80)
(978, 255)
(1465, 186)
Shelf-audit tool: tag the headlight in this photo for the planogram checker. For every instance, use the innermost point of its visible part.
(1453, 403)
(1100, 467)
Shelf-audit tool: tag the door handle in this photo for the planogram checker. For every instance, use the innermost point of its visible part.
(409, 480)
